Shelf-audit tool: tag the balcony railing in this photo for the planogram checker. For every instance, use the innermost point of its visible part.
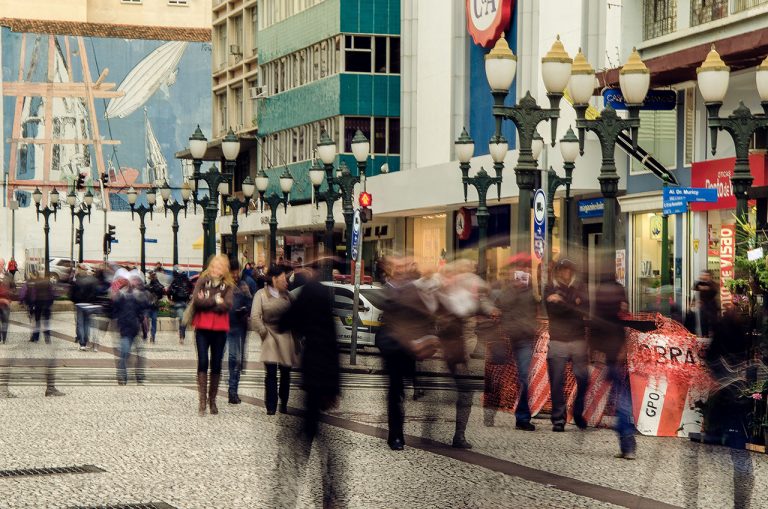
(660, 18)
(743, 5)
(704, 11)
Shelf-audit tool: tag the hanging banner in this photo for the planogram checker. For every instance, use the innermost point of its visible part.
(727, 256)
(488, 19)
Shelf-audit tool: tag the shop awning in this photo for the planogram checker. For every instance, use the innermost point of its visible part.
(641, 202)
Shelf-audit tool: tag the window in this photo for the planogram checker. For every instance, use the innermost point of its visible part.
(364, 53)
(181, 3)
(254, 28)
(220, 32)
(646, 271)
(379, 142)
(386, 133)
(658, 136)
(221, 106)
(239, 107)
(704, 11)
(130, 1)
(660, 18)
(237, 32)
(690, 124)
(394, 136)
(351, 125)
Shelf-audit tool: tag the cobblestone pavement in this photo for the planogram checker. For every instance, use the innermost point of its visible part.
(154, 448)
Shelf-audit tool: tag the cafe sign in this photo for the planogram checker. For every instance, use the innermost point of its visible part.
(488, 19)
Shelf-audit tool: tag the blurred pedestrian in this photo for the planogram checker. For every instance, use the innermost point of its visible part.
(83, 293)
(566, 303)
(517, 333)
(6, 285)
(278, 349)
(709, 308)
(129, 307)
(238, 328)
(608, 336)
(155, 293)
(248, 277)
(37, 293)
(211, 302)
(179, 292)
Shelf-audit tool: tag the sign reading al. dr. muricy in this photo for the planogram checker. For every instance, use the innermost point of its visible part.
(487, 19)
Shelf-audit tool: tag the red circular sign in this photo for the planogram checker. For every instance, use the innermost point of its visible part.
(463, 224)
(487, 19)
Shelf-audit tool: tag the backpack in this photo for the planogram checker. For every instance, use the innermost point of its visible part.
(13, 267)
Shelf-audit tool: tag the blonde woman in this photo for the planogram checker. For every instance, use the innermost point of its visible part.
(211, 301)
(278, 350)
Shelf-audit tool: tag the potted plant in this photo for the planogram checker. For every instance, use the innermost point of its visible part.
(757, 393)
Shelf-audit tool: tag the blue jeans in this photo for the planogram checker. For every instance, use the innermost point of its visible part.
(126, 345)
(178, 311)
(236, 349)
(621, 391)
(83, 325)
(151, 313)
(523, 354)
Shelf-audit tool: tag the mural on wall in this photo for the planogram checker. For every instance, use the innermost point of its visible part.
(100, 106)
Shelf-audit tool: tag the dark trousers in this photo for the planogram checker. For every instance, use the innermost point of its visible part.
(42, 316)
(270, 385)
(399, 366)
(560, 352)
(215, 341)
(5, 313)
(523, 351)
(236, 356)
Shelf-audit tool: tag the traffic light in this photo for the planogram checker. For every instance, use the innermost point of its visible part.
(104, 179)
(78, 237)
(366, 214)
(108, 238)
(80, 184)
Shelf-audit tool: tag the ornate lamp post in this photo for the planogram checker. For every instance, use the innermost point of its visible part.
(569, 149)
(634, 79)
(235, 204)
(218, 184)
(713, 78)
(142, 211)
(46, 211)
(273, 201)
(175, 207)
(339, 186)
(83, 210)
(500, 69)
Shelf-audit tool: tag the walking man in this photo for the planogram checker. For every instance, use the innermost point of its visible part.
(238, 328)
(566, 303)
(178, 293)
(84, 292)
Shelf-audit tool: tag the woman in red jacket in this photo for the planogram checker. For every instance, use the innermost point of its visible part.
(211, 301)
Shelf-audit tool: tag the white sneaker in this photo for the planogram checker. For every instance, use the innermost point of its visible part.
(83, 349)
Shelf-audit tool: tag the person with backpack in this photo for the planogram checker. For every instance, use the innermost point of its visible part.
(83, 294)
(155, 293)
(129, 305)
(178, 293)
(238, 328)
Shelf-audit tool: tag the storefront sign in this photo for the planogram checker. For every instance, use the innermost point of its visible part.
(463, 224)
(591, 208)
(716, 174)
(727, 254)
(657, 100)
(487, 19)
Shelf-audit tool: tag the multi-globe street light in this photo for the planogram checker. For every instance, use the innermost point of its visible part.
(713, 78)
(142, 211)
(50, 209)
(273, 201)
(80, 209)
(175, 207)
(340, 185)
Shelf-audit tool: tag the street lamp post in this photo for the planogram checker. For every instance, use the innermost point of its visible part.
(83, 210)
(339, 186)
(569, 149)
(142, 210)
(634, 80)
(500, 69)
(235, 204)
(713, 77)
(218, 184)
(50, 208)
(273, 201)
(175, 207)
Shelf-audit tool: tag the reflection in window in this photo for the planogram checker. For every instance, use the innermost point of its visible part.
(394, 136)
(658, 136)
(394, 55)
(379, 135)
(351, 125)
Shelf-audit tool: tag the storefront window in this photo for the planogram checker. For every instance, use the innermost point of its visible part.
(647, 246)
(429, 247)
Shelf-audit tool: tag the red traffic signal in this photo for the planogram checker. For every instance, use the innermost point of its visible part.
(365, 199)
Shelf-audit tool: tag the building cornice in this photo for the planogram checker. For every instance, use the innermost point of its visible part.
(162, 33)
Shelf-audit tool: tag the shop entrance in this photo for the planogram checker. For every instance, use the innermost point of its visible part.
(592, 237)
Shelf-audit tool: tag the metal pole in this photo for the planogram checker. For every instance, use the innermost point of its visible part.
(46, 230)
(72, 240)
(175, 228)
(356, 295)
(482, 241)
(273, 236)
(234, 227)
(82, 239)
(329, 247)
(143, 231)
(348, 218)
(13, 232)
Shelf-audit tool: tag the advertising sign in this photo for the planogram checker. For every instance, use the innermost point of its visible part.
(716, 174)
(487, 19)
(657, 100)
(727, 256)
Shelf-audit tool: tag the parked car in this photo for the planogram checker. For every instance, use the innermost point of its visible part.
(60, 269)
(370, 305)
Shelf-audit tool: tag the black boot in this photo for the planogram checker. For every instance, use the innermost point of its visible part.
(234, 399)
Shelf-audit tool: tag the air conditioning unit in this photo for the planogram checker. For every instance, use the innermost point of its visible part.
(234, 49)
(256, 92)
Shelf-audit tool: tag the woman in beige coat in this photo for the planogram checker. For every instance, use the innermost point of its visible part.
(278, 350)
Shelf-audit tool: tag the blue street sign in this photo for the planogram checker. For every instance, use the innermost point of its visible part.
(539, 223)
(657, 100)
(150, 241)
(355, 234)
(114, 241)
(591, 208)
(675, 199)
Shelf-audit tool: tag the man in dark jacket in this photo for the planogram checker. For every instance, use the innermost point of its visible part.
(607, 336)
(238, 328)
(130, 302)
(84, 293)
(155, 293)
(517, 326)
(566, 304)
(179, 292)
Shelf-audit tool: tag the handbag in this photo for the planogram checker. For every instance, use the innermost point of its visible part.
(189, 313)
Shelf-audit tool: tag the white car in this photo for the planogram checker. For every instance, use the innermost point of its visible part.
(369, 309)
